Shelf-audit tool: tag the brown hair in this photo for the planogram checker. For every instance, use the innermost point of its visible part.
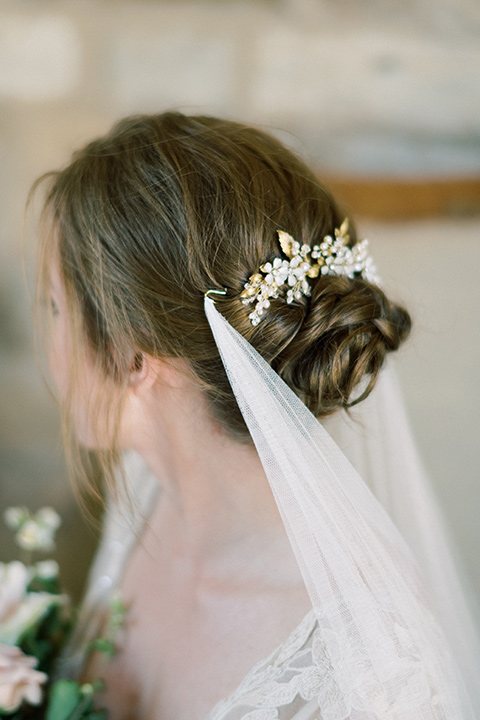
(165, 207)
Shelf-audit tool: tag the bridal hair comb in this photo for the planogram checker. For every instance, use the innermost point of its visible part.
(331, 257)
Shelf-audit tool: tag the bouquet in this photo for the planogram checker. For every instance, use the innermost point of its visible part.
(36, 619)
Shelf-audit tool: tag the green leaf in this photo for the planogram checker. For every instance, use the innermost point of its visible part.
(45, 640)
(103, 645)
(65, 695)
(49, 585)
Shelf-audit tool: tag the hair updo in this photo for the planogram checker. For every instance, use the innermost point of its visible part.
(164, 207)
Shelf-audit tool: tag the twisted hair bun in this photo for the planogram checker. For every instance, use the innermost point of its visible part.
(347, 331)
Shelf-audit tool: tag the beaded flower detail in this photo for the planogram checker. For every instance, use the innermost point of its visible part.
(331, 257)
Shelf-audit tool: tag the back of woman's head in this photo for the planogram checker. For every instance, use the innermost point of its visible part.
(165, 207)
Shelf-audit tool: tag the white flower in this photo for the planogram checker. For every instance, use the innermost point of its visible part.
(47, 569)
(15, 517)
(19, 680)
(20, 609)
(35, 535)
(14, 578)
(49, 517)
(34, 532)
(276, 272)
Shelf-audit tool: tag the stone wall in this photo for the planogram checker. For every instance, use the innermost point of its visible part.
(382, 87)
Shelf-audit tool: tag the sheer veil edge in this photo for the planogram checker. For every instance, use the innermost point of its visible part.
(374, 553)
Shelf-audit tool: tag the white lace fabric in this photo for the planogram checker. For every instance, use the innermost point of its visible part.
(280, 685)
(298, 681)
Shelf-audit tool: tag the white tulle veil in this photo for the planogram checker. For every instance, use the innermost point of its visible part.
(376, 560)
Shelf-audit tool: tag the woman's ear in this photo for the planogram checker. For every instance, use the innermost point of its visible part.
(144, 371)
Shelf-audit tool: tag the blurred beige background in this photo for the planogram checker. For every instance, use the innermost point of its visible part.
(372, 92)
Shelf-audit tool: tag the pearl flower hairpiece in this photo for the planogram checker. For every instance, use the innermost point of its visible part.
(331, 257)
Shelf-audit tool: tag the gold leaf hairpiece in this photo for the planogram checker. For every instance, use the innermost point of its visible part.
(331, 257)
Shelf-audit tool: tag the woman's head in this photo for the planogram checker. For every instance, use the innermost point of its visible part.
(148, 218)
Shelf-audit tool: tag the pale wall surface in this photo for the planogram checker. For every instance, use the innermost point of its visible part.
(383, 87)
(433, 267)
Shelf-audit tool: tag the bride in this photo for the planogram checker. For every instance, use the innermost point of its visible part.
(210, 302)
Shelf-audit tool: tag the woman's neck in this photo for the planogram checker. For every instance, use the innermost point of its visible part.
(217, 506)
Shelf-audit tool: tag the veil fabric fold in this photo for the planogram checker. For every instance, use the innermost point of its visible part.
(382, 616)
(379, 443)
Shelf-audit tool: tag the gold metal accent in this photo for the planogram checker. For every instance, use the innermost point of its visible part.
(315, 269)
(286, 241)
(342, 231)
